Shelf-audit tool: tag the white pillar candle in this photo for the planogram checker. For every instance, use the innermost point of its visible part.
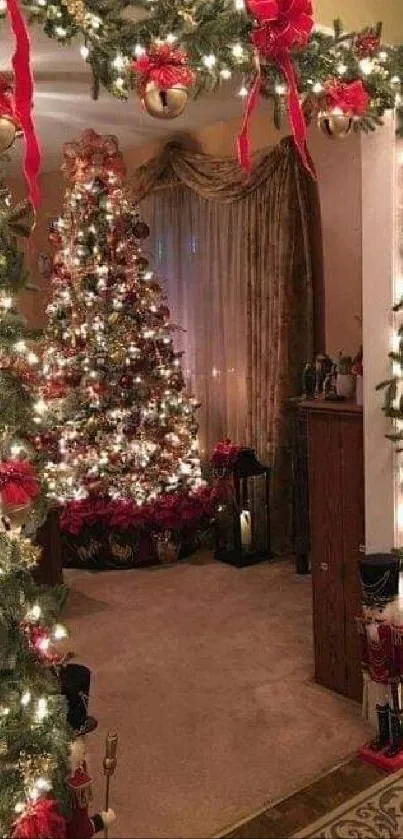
(246, 529)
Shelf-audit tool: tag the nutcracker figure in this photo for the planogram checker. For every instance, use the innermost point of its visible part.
(377, 632)
(82, 825)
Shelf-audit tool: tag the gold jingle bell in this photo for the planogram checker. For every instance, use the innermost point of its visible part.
(8, 132)
(335, 125)
(164, 104)
(18, 516)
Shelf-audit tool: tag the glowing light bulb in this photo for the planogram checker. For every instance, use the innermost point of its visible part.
(240, 5)
(32, 358)
(20, 346)
(26, 698)
(280, 89)
(341, 69)
(225, 73)
(84, 52)
(139, 50)
(237, 50)
(119, 62)
(41, 709)
(59, 632)
(209, 61)
(40, 406)
(317, 88)
(35, 612)
(366, 66)
(61, 32)
(170, 38)
(3, 5)
(243, 91)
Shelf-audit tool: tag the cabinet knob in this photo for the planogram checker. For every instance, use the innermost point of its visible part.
(324, 566)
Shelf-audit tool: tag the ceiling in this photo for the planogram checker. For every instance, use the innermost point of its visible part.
(64, 107)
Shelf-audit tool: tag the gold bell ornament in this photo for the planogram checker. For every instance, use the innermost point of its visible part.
(164, 104)
(335, 125)
(9, 131)
(163, 76)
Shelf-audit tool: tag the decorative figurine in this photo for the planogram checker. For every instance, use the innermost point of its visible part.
(309, 381)
(381, 634)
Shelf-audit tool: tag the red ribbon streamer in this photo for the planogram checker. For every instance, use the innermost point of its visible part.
(282, 24)
(24, 90)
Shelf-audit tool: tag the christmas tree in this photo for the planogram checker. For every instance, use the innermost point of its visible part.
(34, 736)
(112, 378)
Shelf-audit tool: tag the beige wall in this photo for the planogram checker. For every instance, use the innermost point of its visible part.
(358, 13)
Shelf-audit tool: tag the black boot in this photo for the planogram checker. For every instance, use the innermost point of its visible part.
(383, 738)
(395, 735)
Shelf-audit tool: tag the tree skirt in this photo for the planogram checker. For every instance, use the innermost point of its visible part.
(377, 812)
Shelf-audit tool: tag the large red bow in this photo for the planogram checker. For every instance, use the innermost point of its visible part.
(350, 98)
(281, 26)
(23, 98)
(165, 66)
(18, 483)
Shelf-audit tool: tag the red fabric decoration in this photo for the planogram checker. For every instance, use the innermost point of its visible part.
(165, 65)
(40, 821)
(350, 98)
(367, 44)
(23, 95)
(19, 484)
(93, 155)
(282, 25)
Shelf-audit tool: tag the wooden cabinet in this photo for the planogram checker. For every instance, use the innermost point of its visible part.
(337, 532)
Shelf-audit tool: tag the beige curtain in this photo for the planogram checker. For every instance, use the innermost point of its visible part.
(237, 259)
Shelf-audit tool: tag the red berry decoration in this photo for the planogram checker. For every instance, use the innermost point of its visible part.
(367, 44)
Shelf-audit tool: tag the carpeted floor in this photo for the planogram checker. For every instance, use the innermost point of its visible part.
(206, 673)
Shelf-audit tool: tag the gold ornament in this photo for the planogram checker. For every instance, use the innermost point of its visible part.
(8, 133)
(164, 104)
(17, 516)
(76, 8)
(335, 125)
(29, 553)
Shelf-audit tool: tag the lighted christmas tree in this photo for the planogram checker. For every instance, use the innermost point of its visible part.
(112, 377)
(34, 734)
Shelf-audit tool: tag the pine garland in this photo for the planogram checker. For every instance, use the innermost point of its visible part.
(216, 37)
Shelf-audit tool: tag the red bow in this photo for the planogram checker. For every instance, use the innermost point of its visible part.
(282, 26)
(165, 66)
(23, 98)
(39, 820)
(18, 483)
(350, 98)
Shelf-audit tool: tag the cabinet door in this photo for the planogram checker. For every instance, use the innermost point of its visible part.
(353, 530)
(327, 549)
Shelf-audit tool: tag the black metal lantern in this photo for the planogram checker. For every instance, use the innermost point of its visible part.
(243, 518)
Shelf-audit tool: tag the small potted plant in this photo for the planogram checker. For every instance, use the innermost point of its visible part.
(345, 383)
